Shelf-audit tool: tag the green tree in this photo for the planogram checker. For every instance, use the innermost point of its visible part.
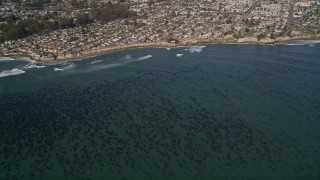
(273, 36)
(150, 3)
(229, 20)
(83, 20)
(261, 36)
(11, 19)
(112, 12)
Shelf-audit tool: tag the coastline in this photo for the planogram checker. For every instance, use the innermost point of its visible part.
(101, 51)
(164, 44)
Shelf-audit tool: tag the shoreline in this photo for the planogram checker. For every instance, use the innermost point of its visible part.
(164, 44)
(106, 50)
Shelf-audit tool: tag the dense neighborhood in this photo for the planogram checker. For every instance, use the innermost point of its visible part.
(146, 21)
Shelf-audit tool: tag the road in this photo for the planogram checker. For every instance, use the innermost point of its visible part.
(290, 16)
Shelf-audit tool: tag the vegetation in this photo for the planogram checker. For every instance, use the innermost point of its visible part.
(273, 36)
(251, 22)
(16, 28)
(229, 20)
(217, 28)
(112, 12)
(83, 20)
(261, 36)
(79, 4)
(150, 3)
(20, 29)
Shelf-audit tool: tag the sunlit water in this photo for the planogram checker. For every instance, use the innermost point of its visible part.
(201, 112)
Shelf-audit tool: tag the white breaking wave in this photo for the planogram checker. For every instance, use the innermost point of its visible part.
(311, 42)
(2, 59)
(25, 59)
(144, 57)
(120, 62)
(65, 63)
(168, 49)
(31, 66)
(179, 55)
(17, 58)
(303, 42)
(70, 66)
(197, 49)
(11, 72)
(107, 66)
(57, 69)
(294, 44)
(127, 57)
(54, 63)
(96, 61)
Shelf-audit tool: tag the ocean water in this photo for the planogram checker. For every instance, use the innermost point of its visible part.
(199, 112)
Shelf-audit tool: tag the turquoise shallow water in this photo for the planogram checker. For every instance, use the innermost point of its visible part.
(214, 112)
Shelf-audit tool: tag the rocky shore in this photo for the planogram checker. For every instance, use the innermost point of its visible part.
(165, 44)
(186, 42)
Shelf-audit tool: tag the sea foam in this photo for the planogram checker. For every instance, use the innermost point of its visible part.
(70, 66)
(179, 55)
(144, 57)
(303, 42)
(31, 66)
(119, 62)
(17, 58)
(57, 69)
(194, 49)
(127, 57)
(95, 61)
(2, 59)
(11, 72)
(20, 58)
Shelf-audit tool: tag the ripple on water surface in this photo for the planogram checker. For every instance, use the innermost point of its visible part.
(224, 112)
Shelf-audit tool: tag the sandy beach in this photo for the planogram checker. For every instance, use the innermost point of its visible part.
(96, 52)
(185, 42)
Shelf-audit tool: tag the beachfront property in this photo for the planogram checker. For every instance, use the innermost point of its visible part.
(161, 20)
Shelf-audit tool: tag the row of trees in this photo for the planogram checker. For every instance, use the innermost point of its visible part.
(16, 29)
(21, 29)
(112, 12)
